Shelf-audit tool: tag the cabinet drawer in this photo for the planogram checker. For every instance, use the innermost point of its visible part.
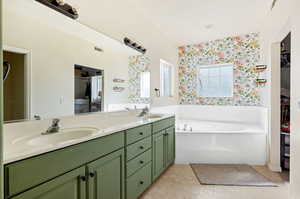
(138, 133)
(28, 173)
(138, 148)
(139, 182)
(138, 162)
(163, 124)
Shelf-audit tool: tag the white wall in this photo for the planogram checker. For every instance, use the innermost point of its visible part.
(274, 29)
(295, 95)
(121, 19)
(53, 54)
(284, 18)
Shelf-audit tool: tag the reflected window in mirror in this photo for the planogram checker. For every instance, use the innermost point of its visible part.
(145, 84)
(215, 80)
(166, 79)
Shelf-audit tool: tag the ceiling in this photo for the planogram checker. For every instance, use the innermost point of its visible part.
(178, 21)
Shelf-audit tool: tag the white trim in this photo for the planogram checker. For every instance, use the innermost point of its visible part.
(215, 65)
(274, 168)
(27, 85)
(274, 128)
(15, 49)
(218, 66)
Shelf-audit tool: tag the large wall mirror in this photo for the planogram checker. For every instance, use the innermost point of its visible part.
(54, 66)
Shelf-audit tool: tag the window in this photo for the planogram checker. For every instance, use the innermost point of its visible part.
(215, 80)
(145, 84)
(166, 71)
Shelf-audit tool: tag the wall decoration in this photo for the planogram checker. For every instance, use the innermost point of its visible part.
(137, 65)
(243, 51)
(261, 79)
(118, 89)
(118, 80)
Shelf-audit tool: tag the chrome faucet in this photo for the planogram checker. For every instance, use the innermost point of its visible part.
(144, 112)
(129, 109)
(54, 128)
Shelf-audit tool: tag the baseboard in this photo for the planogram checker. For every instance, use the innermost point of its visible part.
(275, 168)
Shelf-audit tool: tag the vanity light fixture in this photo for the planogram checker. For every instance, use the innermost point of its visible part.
(62, 7)
(134, 45)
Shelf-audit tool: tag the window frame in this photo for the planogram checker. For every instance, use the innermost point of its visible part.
(142, 86)
(214, 66)
(164, 63)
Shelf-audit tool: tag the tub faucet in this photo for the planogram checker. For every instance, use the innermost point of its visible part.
(54, 128)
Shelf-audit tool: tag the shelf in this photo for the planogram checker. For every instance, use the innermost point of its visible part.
(284, 133)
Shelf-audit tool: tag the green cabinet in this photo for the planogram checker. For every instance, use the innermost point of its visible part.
(106, 177)
(158, 154)
(118, 166)
(163, 150)
(71, 185)
(169, 146)
(100, 179)
(139, 182)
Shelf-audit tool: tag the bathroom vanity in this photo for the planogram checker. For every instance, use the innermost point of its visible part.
(119, 165)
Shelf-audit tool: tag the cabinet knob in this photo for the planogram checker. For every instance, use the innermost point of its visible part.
(141, 162)
(83, 178)
(92, 174)
(141, 182)
(141, 147)
(141, 133)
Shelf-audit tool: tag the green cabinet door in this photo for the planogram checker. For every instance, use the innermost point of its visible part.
(106, 177)
(158, 154)
(71, 185)
(169, 146)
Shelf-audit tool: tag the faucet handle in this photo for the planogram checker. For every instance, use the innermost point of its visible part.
(55, 122)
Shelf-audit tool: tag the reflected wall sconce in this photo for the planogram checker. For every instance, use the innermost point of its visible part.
(62, 7)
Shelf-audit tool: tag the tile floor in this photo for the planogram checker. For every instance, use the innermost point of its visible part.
(179, 182)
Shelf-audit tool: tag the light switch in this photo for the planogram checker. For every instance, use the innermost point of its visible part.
(61, 100)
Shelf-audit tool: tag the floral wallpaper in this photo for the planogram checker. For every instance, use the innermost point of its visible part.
(137, 64)
(243, 51)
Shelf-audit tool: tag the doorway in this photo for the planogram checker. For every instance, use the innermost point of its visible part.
(285, 94)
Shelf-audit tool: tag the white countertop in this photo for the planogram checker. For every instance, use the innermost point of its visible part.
(106, 123)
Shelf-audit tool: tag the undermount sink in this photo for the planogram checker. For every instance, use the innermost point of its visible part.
(62, 137)
(154, 116)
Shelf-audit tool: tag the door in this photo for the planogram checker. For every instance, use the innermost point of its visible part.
(71, 185)
(158, 154)
(106, 177)
(169, 146)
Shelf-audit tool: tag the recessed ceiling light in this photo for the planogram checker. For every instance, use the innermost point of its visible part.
(209, 26)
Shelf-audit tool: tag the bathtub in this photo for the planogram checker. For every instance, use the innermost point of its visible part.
(219, 134)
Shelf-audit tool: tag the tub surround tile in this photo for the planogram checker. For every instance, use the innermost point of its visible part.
(106, 123)
(243, 51)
